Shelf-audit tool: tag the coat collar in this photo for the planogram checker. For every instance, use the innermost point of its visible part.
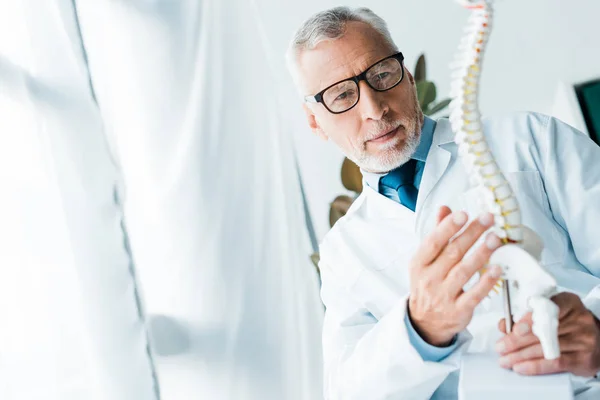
(438, 159)
(442, 151)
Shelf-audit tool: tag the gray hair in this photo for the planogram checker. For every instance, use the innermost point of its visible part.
(331, 25)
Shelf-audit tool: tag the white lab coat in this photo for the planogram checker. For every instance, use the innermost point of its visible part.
(555, 171)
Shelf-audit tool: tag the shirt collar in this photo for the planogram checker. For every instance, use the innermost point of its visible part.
(426, 139)
(372, 179)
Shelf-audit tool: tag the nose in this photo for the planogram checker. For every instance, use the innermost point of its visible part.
(372, 103)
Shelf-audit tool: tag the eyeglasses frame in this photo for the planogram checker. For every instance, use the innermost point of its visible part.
(318, 98)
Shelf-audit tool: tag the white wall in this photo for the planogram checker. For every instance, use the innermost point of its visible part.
(534, 45)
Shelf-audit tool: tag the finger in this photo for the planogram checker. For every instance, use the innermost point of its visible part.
(539, 367)
(502, 325)
(438, 239)
(458, 247)
(532, 352)
(566, 325)
(572, 337)
(460, 274)
(520, 336)
(535, 351)
(472, 297)
(513, 342)
(525, 324)
(526, 319)
(443, 212)
(521, 327)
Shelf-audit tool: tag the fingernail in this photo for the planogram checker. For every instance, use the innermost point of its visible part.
(495, 272)
(500, 347)
(459, 218)
(492, 241)
(521, 329)
(486, 219)
(504, 363)
(519, 368)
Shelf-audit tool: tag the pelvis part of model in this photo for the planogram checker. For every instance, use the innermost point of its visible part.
(526, 284)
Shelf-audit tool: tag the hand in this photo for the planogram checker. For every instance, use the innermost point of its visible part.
(578, 335)
(438, 307)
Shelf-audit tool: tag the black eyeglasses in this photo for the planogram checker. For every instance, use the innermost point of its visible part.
(340, 97)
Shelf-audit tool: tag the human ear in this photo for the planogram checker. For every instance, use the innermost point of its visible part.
(313, 123)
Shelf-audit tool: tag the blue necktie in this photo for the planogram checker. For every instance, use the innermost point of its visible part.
(402, 181)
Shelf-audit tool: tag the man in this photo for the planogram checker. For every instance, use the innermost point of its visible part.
(394, 269)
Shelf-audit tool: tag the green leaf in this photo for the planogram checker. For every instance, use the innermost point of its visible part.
(426, 93)
(339, 208)
(439, 106)
(420, 69)
(351, 176)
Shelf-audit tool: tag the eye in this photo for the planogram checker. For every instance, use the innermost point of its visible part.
(343, 96)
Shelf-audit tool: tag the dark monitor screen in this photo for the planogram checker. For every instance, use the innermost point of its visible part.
(588, 95)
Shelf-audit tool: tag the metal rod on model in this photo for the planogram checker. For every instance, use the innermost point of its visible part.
(507, 309)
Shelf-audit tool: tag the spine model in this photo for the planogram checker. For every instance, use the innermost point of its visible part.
(465, 119)
(526, 283)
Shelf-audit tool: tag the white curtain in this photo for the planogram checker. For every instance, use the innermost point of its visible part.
(154, 243)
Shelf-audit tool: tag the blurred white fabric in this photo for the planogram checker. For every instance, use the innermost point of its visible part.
(177, 134)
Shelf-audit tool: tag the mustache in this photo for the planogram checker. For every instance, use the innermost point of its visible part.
(382, 127)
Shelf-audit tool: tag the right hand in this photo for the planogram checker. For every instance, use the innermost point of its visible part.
(438, 306)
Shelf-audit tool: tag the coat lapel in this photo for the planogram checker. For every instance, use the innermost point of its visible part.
(441, 152)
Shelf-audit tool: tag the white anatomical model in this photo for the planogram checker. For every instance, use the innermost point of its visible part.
(529, 284)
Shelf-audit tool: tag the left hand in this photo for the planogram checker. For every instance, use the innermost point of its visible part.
(578, 335)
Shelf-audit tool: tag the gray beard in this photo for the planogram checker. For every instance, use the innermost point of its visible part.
(391, 159)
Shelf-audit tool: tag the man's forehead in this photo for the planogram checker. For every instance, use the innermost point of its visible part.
(334, 60)
(321, 68)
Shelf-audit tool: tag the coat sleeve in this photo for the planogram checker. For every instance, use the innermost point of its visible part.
(370, 358)
(571, 171)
